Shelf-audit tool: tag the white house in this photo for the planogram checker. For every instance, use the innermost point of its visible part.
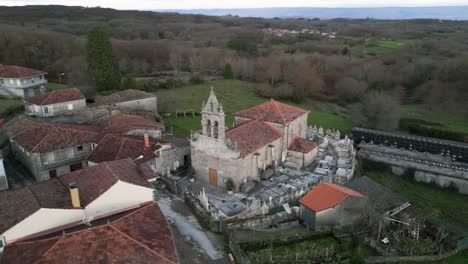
(55, 102)
(22, 82)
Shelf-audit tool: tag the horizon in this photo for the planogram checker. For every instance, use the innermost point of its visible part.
(240, 4)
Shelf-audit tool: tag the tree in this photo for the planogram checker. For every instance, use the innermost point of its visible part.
(227, 73)
(377, 110)
(306, 82)
(349, 90)
(103, 64)
(230, 185)
(129, 82)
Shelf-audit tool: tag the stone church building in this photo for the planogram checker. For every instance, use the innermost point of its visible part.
(258, 140)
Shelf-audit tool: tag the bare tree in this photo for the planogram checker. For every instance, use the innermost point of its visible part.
(377, 110)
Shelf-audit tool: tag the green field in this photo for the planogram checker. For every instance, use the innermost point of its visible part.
(56, 86)
(448, 119)
(5, 105)
(234, 96)
(384, 46)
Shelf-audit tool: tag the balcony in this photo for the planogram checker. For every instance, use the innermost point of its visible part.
(46, 165)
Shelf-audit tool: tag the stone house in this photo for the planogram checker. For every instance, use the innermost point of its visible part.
(257, 141)
(127, 101)
(55, 102)
(79, 197)
(50, 150)
(332, 205)
(21, 82)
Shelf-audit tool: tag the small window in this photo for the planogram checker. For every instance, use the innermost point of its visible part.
(79, 148)
(70, 106)
(46, 110)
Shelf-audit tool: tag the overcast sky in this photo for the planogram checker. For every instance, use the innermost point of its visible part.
(201, 4)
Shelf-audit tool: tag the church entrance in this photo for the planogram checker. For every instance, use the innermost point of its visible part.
(213, 177)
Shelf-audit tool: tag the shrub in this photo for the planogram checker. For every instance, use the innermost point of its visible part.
(230, 186)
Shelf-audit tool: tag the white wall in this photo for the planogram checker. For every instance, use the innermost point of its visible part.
(42, 220)
(120, 196)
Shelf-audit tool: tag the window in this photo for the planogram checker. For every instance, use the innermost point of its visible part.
(79, 148)
(12, 81)
(70, 106)
(46, 110)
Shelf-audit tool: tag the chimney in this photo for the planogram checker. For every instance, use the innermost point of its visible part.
(147, 141)
(74, 194)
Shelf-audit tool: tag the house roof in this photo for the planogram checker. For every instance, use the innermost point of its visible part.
(112, 147)
(273, 112)
(121, 96)
(134, 120)
(94, 181)
(55, 97)
(12, 71)
(19, 204)
(45, 137)
(302, 145)
(381, 198)
(252, 135)
(327, 195)
(139, 236)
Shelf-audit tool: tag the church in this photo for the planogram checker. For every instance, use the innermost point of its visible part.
(258, 140)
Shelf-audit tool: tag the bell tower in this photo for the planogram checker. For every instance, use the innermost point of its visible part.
(213, 118)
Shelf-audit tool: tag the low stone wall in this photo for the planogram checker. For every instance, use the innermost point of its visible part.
(265, 221)
(381, 259)
(208, 220)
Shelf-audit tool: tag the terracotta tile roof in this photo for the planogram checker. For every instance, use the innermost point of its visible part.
(141, 236)
(11, 71)
(302, 145)
(121, 96)
(273, 112)
(94, 181)
(46, 137)
(327, 195)
(135, 121)
(55, 97)
(113, 147)
(252, 135)
(17, 205)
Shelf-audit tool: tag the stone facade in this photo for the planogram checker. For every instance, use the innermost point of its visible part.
(56, 109)
(219, 154)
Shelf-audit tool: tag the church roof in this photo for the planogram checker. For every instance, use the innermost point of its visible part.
(273, 112)
(252, 135)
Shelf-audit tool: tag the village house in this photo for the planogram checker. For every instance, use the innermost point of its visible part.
(79, 197)
(21, 82)
(258, 140)
(332, 205)
(141, 235)
(127, 101)
(50, 150)
(55, 102)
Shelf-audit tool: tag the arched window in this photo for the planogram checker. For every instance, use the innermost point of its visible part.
(215, 132)
(208, 128)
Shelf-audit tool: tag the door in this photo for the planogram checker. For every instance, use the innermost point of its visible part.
(53, 173)
(213, 177)
(76, 166)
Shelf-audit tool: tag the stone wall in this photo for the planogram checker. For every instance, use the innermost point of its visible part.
(265, 221)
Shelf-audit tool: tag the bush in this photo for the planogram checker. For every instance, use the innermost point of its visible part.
(230, 186)
(421, 128)
(196, 80)
(227, 73)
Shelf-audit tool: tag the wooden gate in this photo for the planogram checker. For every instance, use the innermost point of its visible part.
(213, 177)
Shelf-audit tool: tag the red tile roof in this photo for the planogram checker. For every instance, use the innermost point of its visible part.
(113, 147)
(327, 195)
(302, 145)
(273, 112)
(46, 137)
(11, 71)
(140, 236)
(121, 96)
(94, 181)
(252, 135)
(133, 120)
(19, 204)
(55, 97)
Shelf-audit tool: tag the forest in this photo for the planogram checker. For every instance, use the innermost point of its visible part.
(375, 69)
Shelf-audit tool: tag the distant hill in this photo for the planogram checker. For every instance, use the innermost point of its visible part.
(445, 12)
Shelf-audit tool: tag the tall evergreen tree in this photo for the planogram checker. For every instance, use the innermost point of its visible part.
(227, 73)
(103, 65)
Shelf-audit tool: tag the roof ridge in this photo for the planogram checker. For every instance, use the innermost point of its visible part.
(273, 102)
(139, 243)
(111, 171)
(32, 150)
(279, 133)
(142, 206)
(243, 124)
(122, 139)
(49, 249)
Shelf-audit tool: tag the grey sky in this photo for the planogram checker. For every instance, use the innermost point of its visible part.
(201, 4)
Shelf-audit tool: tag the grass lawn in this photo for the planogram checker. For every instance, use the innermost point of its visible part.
(448, 119)
(234, 96)
(5, 104)
(56, 86)
(384, 46)
(444, 205)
